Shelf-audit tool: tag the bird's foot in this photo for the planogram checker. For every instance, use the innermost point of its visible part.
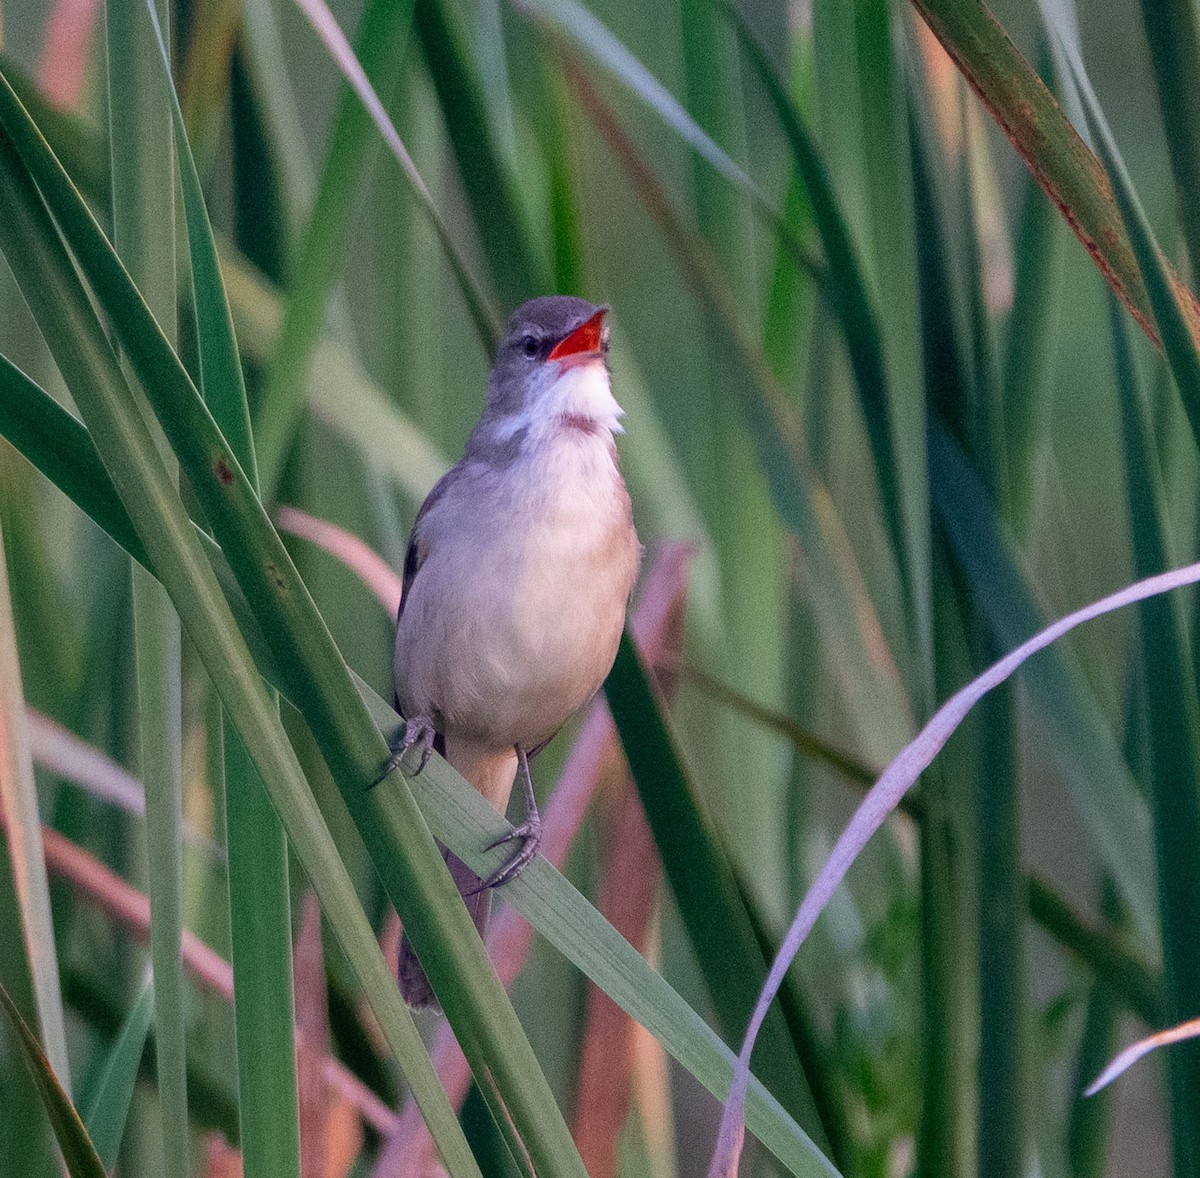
(417, 731)
(529, 834)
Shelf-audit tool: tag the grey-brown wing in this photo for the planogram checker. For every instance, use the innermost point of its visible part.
(414, 557)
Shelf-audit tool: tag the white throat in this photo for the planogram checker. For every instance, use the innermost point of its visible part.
(579, 394)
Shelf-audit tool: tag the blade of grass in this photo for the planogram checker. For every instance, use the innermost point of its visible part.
(1048, 144)
(1175, 55)
(381, 46)
(517, 271)
(1174, 721)
(19, 804)
(849, 300)
(32, 249)
(79, 1153)
(702, 882)
(260, 912)
(108, 1110)
(1077, 736)
(392, 827)
(143, 200)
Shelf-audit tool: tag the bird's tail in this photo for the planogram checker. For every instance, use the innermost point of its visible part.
(414, 985)
(493, 776)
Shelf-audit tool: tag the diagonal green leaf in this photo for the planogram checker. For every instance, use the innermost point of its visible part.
(703, 883)
(108, 1109)
(78, 1151)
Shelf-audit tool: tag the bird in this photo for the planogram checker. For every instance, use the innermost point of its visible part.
(517, 577)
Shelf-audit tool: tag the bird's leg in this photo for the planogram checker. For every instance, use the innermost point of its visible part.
(529, 833)
(418, 730)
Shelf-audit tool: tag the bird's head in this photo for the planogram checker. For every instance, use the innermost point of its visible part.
(551, 373)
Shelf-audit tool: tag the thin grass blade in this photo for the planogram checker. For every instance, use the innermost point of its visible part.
(1174, 724)
(79, 1153)
(108, 1110)
(143, 200)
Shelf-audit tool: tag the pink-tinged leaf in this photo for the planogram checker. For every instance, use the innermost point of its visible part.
(312, 1020)
(63, 63)
(628, 892)
(881, 800)
(1127, 1058)
(63, 753)
(372, 569)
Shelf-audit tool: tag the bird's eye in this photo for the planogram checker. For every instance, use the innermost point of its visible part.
(530, 345)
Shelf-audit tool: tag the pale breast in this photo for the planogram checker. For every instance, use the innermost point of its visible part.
(514, 618)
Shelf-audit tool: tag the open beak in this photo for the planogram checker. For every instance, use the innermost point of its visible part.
(584, 340)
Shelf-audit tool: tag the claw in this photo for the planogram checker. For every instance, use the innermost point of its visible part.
(530, 836)
(418, 730)
(529, 833)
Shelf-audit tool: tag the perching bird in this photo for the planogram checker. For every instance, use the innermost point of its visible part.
(518, 573)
